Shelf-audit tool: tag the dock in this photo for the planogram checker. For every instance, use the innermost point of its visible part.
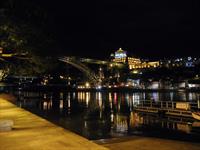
(181, 109)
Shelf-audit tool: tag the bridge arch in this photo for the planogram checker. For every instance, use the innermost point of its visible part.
(93, 78)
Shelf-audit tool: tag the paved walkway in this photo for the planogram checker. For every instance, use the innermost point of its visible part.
(148, 143)
(31, 132)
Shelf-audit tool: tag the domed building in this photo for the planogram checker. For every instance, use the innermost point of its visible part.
(120, 56)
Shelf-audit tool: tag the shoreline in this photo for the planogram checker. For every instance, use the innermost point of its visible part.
(103, 89)
(42, 134)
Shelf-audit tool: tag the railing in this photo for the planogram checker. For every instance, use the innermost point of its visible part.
(169, 105)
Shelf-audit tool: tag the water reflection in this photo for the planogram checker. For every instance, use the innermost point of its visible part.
(97, 115)
(121, 123)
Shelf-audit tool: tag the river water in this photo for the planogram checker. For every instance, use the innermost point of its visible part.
(104, 115)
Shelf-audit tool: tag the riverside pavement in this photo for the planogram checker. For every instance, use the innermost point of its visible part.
(31, 132)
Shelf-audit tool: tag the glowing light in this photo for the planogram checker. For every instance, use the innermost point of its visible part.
(135, 72)
(6, 55)
(115, 98)
(80, 87)
(45, 106)
(189, 58)
(61, 104)
(45, 96)
(87, 98)
(99, 97)
(110, 100)
(99, 87)
(68, 103)
(87, 84)
(112, 117)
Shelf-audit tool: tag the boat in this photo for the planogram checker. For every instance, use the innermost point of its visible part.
(196, 115)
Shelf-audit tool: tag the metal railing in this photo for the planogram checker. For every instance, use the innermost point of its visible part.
(169, 105)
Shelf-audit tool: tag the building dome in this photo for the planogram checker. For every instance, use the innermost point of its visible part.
(120, 50)
(120, 53)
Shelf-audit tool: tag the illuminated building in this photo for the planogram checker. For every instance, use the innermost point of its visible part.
(134, 62)
(120, 56)
(142, 64)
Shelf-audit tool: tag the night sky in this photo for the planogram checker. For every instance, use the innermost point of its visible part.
(150, 29)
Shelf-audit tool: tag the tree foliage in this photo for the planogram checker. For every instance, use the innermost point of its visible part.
(11, 38)
(23, 31)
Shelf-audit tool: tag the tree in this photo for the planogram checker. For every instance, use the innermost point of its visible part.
(22, 31)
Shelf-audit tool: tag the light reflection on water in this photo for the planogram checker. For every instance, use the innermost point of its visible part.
(98, 115)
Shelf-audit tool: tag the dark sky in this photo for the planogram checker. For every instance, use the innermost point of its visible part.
(151, 28)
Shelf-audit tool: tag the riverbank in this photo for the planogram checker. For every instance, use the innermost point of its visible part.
(57, 87)
(31, 132)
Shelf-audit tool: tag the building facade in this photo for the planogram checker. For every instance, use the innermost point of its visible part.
(120, 56)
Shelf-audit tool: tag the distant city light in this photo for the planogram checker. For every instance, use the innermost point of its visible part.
(99, 87)
(135, 71)
(87, 84)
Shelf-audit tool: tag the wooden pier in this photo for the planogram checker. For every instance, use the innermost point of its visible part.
(182, 109)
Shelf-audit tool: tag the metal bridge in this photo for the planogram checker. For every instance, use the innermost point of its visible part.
(94, 79)
(79, 64)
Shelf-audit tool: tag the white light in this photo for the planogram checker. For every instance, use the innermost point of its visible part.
(99, 87)
(189, 58)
